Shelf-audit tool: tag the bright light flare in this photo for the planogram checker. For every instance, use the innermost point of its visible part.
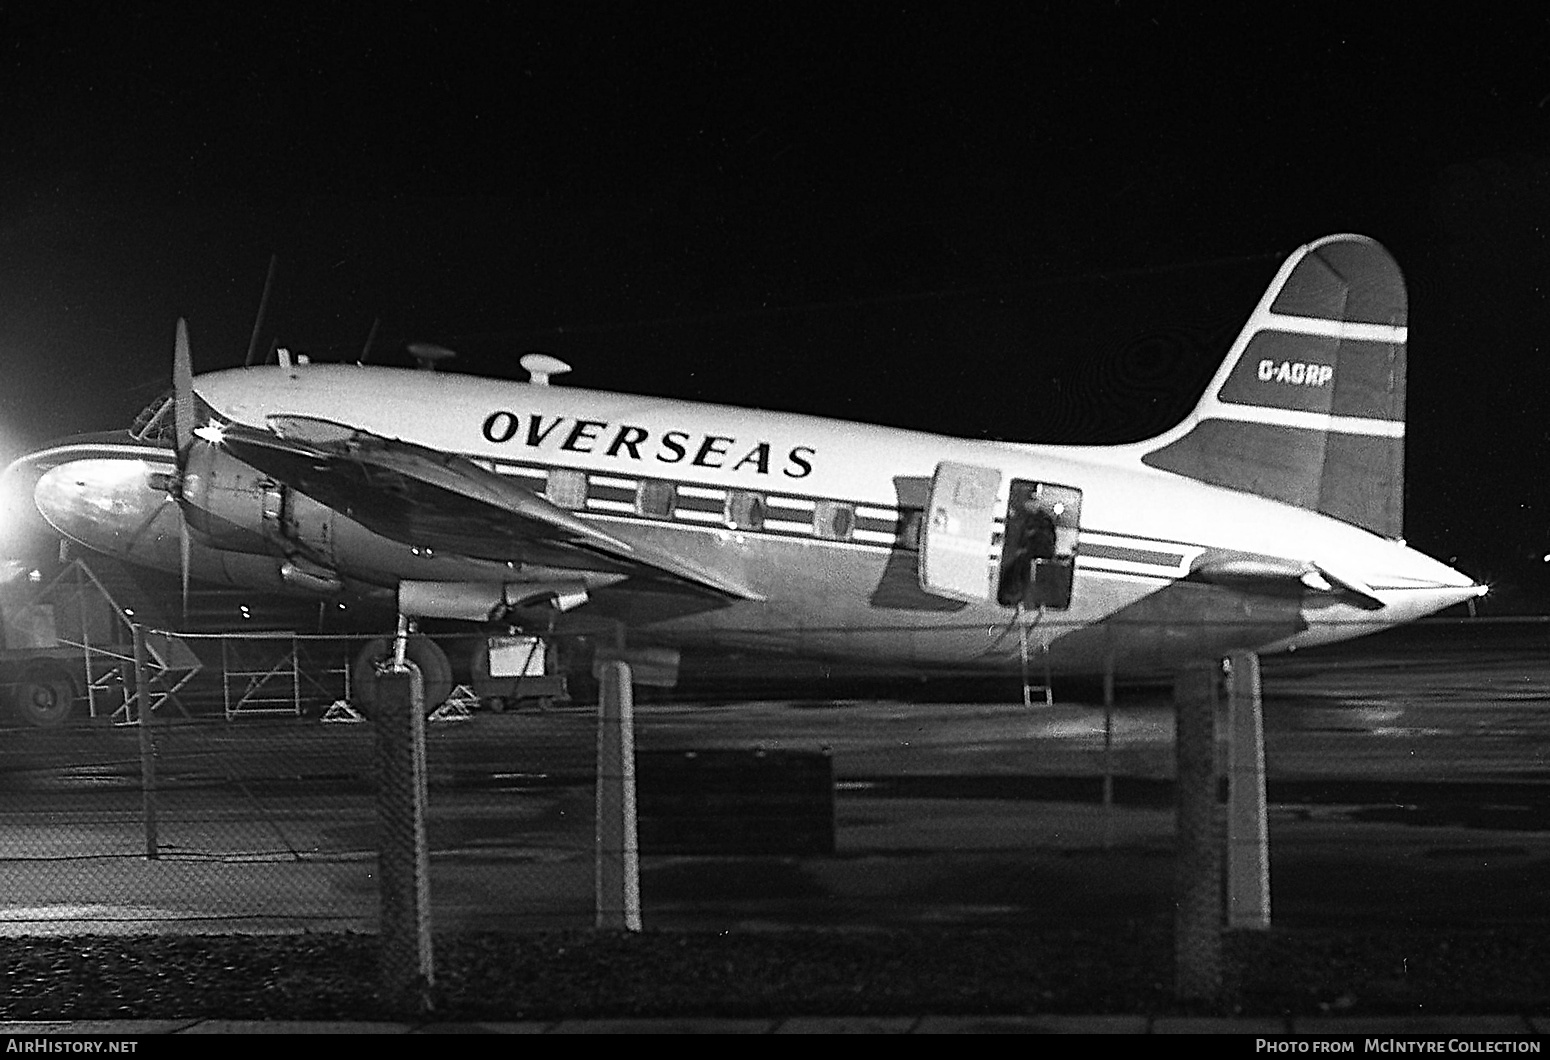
(210, 432)
(21, 527)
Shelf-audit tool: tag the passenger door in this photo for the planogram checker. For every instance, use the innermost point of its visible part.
(957, 534)
(1038, 557)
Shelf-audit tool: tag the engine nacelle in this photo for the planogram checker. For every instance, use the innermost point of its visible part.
(234, 506)
(225, 500)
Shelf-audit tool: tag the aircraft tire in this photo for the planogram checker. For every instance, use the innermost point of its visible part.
(43, 696)
(435, 671)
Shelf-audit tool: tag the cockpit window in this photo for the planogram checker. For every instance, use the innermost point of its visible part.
(155, 422)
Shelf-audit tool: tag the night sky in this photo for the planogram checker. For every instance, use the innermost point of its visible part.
(993, 221)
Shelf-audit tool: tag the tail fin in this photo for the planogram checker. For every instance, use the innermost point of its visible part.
(1309, 406)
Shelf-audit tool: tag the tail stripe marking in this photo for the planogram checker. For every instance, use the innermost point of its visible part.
(1318, 421)
(1344, 329)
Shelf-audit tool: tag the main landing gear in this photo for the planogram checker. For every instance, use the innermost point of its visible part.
(424, 653)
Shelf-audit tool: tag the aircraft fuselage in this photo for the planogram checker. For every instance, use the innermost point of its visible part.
(822, 519)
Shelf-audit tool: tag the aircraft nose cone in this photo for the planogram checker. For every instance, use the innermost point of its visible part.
(102, 504)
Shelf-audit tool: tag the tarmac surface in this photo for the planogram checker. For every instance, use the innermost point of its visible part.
(1415, 772)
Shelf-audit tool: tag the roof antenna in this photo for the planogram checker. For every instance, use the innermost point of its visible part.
(258, 321)
(540, 366)
(371, 337)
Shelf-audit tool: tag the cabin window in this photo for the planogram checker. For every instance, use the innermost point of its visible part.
(655, 497)
(745, 510)
(567, 488)
(834, 520)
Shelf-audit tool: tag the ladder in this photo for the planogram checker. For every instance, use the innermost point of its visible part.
(1046, 689)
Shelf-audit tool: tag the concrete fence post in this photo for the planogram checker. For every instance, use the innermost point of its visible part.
(403, 860)
(143, 717)
(1248, 833)
(618, 851)
(1197, 933)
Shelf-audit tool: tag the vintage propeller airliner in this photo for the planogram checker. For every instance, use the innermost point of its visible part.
(1269, 519)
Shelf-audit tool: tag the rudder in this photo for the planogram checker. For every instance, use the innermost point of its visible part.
(1308, 407)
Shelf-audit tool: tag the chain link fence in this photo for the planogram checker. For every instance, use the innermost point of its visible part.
(253, 807)
(262, 816)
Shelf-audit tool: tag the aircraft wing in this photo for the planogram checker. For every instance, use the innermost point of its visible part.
(431, 499)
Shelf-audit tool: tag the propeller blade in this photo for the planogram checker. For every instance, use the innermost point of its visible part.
(183, 558)
(258, 321)
(183, 390)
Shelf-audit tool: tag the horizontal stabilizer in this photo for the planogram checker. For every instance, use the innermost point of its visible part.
(1278, 576)
(1324, 578)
